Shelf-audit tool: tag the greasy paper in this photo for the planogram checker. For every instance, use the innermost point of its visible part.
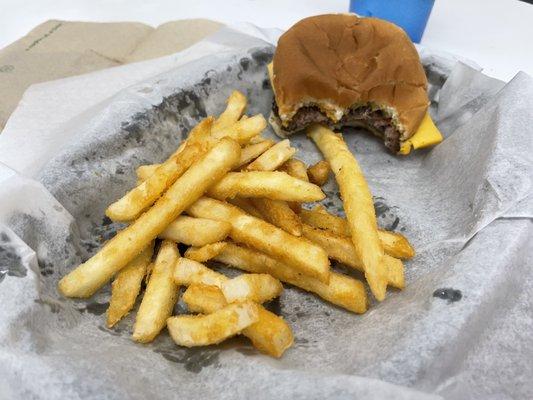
(460, 329)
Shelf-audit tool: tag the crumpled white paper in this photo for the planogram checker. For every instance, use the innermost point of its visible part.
(461, 328)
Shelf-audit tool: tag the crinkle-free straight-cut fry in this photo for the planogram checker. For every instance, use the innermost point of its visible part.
(395, 244)
(160, 296)
(195, 231)
(201, 140)
(236, 104)
(273, 157)
(273, 185)
(245, 205)
(280, 214)
(256, 287)
(341, 290)
(306, 257)
(341, 248)
(252, 151)
(131, 205)
(358, 205)
(270, 334)
(203, 330)
(127, 285)
(145, 171)
(206, 252)
(128, 243)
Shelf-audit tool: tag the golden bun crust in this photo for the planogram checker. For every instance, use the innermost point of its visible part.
(341, 61)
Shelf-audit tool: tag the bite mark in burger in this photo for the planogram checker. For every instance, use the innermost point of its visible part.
(342, 70)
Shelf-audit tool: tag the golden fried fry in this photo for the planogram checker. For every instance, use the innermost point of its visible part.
(256, 287)
(188, 272)
(127, 285)
(203, 330)
(130, 206)
(279, 213)
(306, 257)
(252, 151)
(273, 157)
(341, 248)
(270, 334)
(160, 296)
(146, 171)
(206, 252)
(341, 290)
(295, 168)
(245, 205)
(195, 231)
(273, 185)
(394, 244)
(128, 243)
(241, 131)
(319, 173)
(236, 104)
(358, 205)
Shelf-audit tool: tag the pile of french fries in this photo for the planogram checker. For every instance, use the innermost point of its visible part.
(236, 198)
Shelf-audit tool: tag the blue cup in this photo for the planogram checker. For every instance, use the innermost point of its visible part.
(411, 15)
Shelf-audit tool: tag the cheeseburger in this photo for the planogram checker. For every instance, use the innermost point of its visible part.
(342, 70)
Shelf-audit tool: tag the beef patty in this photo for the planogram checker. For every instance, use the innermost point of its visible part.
(374, 120)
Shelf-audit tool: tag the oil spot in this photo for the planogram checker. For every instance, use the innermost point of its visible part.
(245, 63)
(380, 206)
(262, 57)
(10, 261)
(449, 294)
(394, 224)
(95, 308)
(274, 306)
(301, 314)
(116, 331)
(193, 360)
(265, 85)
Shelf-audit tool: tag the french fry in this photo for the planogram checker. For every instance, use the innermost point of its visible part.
(201, 140)
(196, 231)
(130, 206)
(270, 334)
(256, 287)
(303, 255)
(206, 252)
(257, 139)
(127, 285)
(341, 248)
(394, 244)
(341, 290)
(273, 157)
(128, 243)
(358, 205)
(273, 185)
(146, 171)
(319, 173)
(160, 296)
(252, 151)
(295, 168)
(203, 330)
(279, 213)
(188, 272)
(241, 131)
(204, 299)
(236, 104)
(245, 205)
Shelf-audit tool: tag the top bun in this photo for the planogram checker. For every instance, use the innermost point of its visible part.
(339, 62)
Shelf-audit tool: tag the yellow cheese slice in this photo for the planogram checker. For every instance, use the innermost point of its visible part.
(426, 135)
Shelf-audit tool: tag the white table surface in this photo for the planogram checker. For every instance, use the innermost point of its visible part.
(496, 34)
